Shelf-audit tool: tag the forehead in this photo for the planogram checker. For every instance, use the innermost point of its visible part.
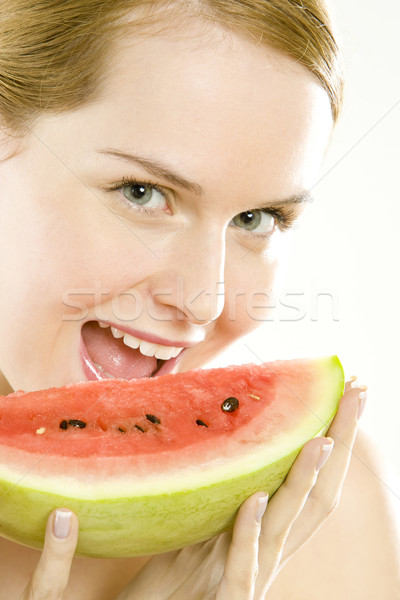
(209, 100)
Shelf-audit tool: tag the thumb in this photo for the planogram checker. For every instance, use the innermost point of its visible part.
(52, 572)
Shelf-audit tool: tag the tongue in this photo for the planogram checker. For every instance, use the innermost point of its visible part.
(114, 356)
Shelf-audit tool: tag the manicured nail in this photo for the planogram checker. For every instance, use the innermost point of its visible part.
(362, 398)
(353, 382)
(261, 507)
(326, 450)
(62, 523)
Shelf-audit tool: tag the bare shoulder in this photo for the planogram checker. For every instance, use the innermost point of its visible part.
(370, 518)
(356, 552)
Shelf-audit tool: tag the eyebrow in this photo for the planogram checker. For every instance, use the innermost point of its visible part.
(155, 168)
(159, 170)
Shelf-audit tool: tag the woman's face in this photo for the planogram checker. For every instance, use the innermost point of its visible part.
(222, 129)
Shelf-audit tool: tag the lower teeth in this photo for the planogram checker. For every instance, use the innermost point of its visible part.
(109, 376)
(100, 368)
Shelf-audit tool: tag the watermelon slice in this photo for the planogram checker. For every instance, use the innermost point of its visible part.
(152, 465)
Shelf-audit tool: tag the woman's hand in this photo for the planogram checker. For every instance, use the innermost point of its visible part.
(243, 565)
(233, 566)
(297, 510)
(52, 572)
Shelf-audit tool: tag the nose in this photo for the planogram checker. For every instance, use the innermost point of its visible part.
(193, 282)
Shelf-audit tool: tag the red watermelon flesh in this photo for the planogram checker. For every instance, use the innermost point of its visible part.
(132, 458)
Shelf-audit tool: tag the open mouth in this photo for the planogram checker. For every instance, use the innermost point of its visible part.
(109, 353)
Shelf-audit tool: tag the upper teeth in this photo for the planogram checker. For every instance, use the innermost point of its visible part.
(146, 348)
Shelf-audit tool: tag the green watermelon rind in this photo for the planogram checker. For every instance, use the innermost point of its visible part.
(136, 521)
(133, 519)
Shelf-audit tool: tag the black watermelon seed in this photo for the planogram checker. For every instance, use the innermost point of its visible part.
(153, 419)
(140, 428)
(230, 404)
(77, 423)
(64, 424)
(200, 422)
(121, 430)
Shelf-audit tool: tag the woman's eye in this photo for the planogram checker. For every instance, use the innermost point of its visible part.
(258, 221)
(144, 194)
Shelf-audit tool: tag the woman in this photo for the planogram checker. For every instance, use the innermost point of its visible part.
(154, 158)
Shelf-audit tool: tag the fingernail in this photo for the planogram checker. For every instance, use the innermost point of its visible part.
(362, 398)
(353, 382)
(326, 450)
(62, 523)
(261, 507)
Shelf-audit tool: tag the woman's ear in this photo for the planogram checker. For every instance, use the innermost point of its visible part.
(11, 143)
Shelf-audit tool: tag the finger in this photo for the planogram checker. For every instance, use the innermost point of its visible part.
(351, 383)
(285, 506)
(241, 566)
(325, 495)
(52, 572)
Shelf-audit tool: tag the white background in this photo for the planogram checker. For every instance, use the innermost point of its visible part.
(348, 245)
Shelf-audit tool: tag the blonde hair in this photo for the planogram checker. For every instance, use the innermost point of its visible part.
(53, 55)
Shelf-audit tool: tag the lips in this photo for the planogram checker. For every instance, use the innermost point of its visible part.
(104, 357)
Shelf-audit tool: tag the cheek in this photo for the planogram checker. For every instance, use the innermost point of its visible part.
(44, 252)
